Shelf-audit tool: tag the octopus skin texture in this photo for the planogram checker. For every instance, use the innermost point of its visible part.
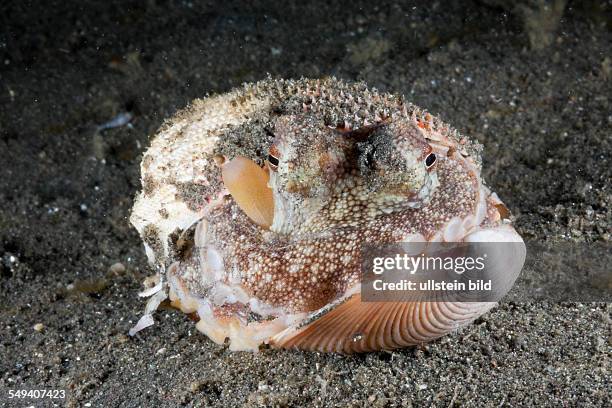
(255, 205)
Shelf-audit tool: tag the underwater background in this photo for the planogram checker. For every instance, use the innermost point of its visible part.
(83, 85)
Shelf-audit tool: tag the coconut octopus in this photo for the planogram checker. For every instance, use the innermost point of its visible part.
(255, 204)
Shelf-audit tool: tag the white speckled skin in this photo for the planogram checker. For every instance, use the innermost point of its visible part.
(351, 170)
(179, 154)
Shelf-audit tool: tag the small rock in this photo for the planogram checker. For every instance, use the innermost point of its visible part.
(600, 344)
(263, 386)
(196, 386)
(117, 268)
(39, 327)
(122, 338)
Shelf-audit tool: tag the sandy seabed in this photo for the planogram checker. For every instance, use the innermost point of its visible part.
(542, 111)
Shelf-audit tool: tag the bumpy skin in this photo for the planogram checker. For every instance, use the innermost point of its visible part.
(352, 169)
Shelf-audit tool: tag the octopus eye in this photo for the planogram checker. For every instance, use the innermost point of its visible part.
(430, 160)
(273, 160)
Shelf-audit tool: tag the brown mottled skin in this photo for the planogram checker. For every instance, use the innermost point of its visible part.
(347, 166)
(349, 182)
(346, 185)
(318, 262)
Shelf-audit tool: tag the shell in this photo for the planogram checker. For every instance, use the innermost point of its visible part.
(255, 205)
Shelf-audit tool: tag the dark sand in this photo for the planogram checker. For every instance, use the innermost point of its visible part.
(544, 117)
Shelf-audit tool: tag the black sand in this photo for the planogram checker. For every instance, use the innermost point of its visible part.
(542, 111)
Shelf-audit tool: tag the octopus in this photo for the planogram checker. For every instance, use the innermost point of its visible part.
(255, 205)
